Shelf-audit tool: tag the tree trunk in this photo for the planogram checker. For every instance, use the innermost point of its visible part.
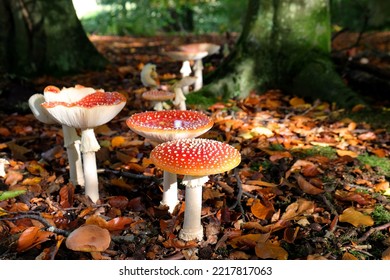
(285, 44)
(44, 37)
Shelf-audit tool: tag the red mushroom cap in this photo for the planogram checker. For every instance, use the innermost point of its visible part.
(162, 126)
(195, 157)
(91, 111)
(158, 95)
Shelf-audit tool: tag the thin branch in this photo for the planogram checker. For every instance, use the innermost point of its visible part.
(130, 175)
(239, 194)
(373, 230)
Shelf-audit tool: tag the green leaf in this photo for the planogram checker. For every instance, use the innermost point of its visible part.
(10, 194)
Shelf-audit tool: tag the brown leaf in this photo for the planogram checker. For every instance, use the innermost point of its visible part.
(119, 201)
(270, 250)
(96, 220)
(248, 240)
(13, 177)
(118, 223)
(360, 198)
(67, 196)
(355, 218)
(306, 187)
(342, 153)
(295, 209)
(262, 210)
(31, 237)
(386, 254)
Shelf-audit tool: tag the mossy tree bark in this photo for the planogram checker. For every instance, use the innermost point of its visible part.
(285, 44)
(44, 37)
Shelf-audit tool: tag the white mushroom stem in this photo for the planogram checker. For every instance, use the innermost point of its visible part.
(170, 191)
(180, 99)
(192, 226)
(72, 144)
(89, 146)
(185, 71)
(149, 75)
(3, 162)
(198, 70)
(157, 105)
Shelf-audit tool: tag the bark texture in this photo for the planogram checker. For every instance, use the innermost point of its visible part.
(44, 37)
(285, 44)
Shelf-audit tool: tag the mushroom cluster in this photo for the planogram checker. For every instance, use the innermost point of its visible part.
(164, 126)
(80, 108)
(196, 159)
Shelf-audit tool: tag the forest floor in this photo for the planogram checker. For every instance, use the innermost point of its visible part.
(313, 182)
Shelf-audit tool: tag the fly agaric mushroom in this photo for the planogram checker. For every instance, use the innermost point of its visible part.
(195, 159)
(149, 76)
(186, 56)
(166, 126)
(157, 97)
(209, 48)
(89, 238)
(178, 88)
(71, 139)
(86, 113)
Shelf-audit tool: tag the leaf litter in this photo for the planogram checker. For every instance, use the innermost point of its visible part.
(302, 191)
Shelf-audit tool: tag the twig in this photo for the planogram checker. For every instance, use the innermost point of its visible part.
(373, 230)
(39, 218)
(239, 194)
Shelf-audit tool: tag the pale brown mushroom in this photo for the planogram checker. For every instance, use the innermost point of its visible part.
(89, 238)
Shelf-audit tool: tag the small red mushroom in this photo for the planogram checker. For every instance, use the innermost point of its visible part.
(196, 159)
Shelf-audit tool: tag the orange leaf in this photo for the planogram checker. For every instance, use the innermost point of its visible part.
(379, 152)
(119, 201)
(342, 153)
(118, 223)
(270, 250)
(117, 141)
(262, 210)
(306, 187)
(355, 218)
(31, 237)
(96, 220)
(386, 254)
(296, 101)
(348, 256)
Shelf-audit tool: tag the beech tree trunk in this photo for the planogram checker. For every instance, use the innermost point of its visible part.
(285, 44)
(44, 37)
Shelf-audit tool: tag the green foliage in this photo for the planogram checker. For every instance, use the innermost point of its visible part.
(328, 152)
(380, 215)
(148, 17)
(361, 14)
(383, 164)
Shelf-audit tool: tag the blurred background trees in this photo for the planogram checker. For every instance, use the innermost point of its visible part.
(148, 17)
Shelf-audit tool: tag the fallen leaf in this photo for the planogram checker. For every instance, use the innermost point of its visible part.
(248, 240)
(270, 250)
(10, 194)
(117, 141)
(67, 196)
(355, 218)
(307, 187)
(298, 208)
(342, 153)
(31, 237)
(118, 223)
(386, 254)
(348, 256)
(262, 210)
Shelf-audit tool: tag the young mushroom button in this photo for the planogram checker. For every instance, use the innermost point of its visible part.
(163, 126)
(196, 159)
